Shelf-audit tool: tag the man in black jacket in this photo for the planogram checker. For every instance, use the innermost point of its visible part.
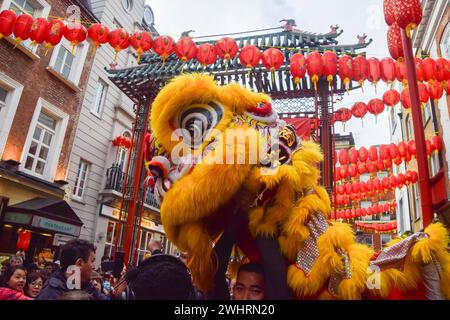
(77, 263)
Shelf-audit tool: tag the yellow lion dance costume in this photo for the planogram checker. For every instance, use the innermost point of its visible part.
(282, 198)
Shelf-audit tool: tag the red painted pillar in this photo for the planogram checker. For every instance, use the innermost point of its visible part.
(419, 134)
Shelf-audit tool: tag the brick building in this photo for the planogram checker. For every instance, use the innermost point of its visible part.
(40, 101)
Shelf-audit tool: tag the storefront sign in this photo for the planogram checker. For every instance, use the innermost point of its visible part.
(115, 213)
(57, 226)
(17, 218)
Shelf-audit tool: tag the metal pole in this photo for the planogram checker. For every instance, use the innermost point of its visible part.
(419, 134)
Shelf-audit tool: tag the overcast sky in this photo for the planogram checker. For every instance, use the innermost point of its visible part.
(209, 17)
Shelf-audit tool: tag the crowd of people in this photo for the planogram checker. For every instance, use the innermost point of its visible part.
(158, 277)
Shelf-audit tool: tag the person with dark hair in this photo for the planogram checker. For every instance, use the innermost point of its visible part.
(161, 277)
(15, 261)
(12, 284)
(34, 284)
(75, 254)
(250, 283)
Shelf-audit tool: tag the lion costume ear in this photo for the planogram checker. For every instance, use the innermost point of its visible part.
(240, 99)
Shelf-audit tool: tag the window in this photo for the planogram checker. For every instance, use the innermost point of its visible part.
(415, 197)
(41, 144)
(393, 118)
(64, 62)
(433, 164)
(127, 5)
(145, 238)
(80, 182)
(67, 65)
(382, 174)
(122, 154)
(23, 6)
(10, 93)
(426, 115)
(445, 43)
(401, 216)
(100, 97)
(3, 95)
(110, 238)
(409, 129)
(44, 140)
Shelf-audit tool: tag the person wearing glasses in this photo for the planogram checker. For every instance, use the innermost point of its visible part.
(34, 284)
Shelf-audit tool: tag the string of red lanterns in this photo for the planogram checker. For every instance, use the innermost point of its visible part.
(378, 228)
(355, 213)
(50, 32)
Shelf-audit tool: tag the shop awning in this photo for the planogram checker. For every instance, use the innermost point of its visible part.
(54, 215)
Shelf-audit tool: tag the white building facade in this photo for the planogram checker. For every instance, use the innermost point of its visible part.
(96, 167)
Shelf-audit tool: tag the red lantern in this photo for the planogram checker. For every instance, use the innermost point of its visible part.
(38, 32)
(344, 114)
(391, 98)
(385, 183)
(119, 39)
(363, 154)
(394, 40)
(436, 144)
(402, 149)
(23, 242)
(393, 185)
(164, 46)
(359, 110)
(227, 48)
(389, 8)
(429, 69)
(370, 211)
(272, 59)
(400, 180)
(374, 74)
(206, 54)
(419, 69)
(407, 156)
(370, 167)
(330, 65)
(362, 168)
(314, 65)
(408, 14)
(358, 212)
(406, 101)
(443, 72)
(398, 161)
(414, 177)
(343, 157)
(337, 174)
(344, 172)
(393, 151)
(7, 20)
(436, 91)
(346, 70)
(360, 69)
(98, 34)
(250, 56)
(375, 107)
(22, 27)
(379, 164)
(401, 72)
(373, 153)
(348, 189)
(423, 94)
(412, 148)
(352, 171)
(75, 33)
(298, 67)
(341, 189)
(384, 152)
(353, 155)
(142, 42)
(355, 187)
(388, 70)
(388, 164)
(55, 32)
(364, 212)
(186, 49)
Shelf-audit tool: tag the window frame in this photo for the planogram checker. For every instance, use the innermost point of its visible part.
(77, 183)
(60, 131)
(15, 90)
(79, 58)
(100, 82)
(416, 202)
(123, 154)
(445, 35)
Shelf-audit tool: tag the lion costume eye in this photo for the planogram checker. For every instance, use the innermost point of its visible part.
(196, 121)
